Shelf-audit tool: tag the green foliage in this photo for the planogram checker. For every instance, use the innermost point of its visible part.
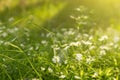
(30, 51)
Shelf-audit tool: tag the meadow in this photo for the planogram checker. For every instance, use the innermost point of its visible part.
(49, 40)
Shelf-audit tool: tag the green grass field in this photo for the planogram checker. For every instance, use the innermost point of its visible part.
(57, 41)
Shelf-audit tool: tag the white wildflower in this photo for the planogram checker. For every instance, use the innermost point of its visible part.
(50, 70)
(1, 42)
(116, 46)
(44, 42)
(6, 43)
(10, 30)
(63, 29)
(70, 32)
(111, 44)
(56, 59)
(75, 43)
(91, 37)
(64, 45)
(15, 29)
(78, 9)
(4, 34)
(79, 57)
(11, 19)
(95, 75)
(87, 42)
(67, 47)
(92, 47)
(90, 59)
(65, 62)
(42, 68)
(85, 17)
(116, 39)
(72, 17)
(85, 35)
(31, 48)
(105, 37)
(35, 79)
(103, 47)
(102, 52)
(37, 47)
(76, 77)
(54, 46)
(62, 76)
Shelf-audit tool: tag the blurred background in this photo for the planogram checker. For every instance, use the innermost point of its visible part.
(56, 13)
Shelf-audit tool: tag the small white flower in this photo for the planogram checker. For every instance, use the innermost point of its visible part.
(111, 44)
(67, 47)
(105, 37)
(15, 29)
(42, 68)
(116, 39)
(86, 43)
(90, 59)
(103, 47)
(31, 48)
(102, 52)
(70, 32)
(44, 42)
(50, 70)
(62, 76)
(65, 62)
(11, 19)
(92, 47)
(76, 77)
(116, 46)
(6, 43)
(56, 59)
(79, 57)
(85, 17)
(75, 43)
(54, 46)
(95, 75)
(78, 9)
(22, 45)
(85, 35)
(91, 37)
(35, 79)
(72, 17)
(4, 34)
(1, 42)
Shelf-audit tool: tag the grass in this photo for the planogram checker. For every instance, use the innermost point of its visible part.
(29, 51)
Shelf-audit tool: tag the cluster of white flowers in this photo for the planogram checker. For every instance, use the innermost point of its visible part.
(102, 52)
(79, 57)
(44, 42)
(104, 47)
(103, 38)
(90, 59)
(56, 59)
(75, 43)
(86, 42)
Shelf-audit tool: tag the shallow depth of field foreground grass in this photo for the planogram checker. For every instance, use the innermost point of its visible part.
(38, 43)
